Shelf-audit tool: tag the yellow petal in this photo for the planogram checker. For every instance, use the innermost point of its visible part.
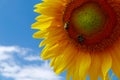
(53, 10)
(80, 66)
(106, 64)
(49, 40)
(95, 67)
(41, 25)
(40, 34)
(116, 60)
(43, 18)
(63, 61)
(84, 61)
(53, 50)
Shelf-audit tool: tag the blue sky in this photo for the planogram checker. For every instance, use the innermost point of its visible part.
(19, 52)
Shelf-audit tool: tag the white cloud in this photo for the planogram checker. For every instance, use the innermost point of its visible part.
(11, 49)
(32, 58)
(11, 69)
(30, 73)
(6, 52)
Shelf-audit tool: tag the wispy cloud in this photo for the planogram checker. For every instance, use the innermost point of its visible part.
(11, 49)
(6, 52)
(32, 58)
(11, 69)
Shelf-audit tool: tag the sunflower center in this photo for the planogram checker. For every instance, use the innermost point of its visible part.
(88, 19)
(89, 23)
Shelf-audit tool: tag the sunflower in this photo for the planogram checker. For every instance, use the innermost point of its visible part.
(81, 37)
